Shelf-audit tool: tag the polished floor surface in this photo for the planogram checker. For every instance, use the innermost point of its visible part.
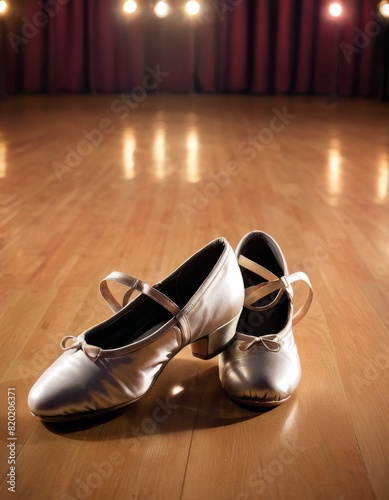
(91, 184)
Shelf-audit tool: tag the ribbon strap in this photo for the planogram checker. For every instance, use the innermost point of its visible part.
(134, 284)
(92, 351)
(272, 284)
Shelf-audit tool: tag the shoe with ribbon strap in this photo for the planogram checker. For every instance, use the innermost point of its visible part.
(261, 366)
(114, 363)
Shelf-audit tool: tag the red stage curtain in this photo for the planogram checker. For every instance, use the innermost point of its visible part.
(248, 46)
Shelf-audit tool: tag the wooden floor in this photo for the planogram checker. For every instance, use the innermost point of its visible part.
(153, 188)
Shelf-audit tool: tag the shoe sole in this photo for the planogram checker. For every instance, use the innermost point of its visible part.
(257, 403)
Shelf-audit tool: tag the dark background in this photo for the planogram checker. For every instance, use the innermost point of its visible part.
(245, 46)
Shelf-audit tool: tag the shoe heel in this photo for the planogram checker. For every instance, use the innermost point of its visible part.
(214, 343)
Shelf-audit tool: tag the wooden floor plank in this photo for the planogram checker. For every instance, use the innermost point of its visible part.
(178, 172)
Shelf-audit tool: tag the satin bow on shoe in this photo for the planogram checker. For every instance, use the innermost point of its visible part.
(91, 351)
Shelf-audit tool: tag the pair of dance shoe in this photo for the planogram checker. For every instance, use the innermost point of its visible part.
(237, 305)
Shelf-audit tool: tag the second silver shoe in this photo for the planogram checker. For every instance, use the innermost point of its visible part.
(261, 366)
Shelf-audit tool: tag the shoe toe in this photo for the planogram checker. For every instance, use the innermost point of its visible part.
(262, 380)
(61, 389)
(44, 400)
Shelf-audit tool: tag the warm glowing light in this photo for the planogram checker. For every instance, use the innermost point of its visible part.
(130, 7)
(129, 146)
(3, 159)
(335, 9)
(383, 178)
(192, 149)
(383, 8)
(290, 422)
(334, 168)
(3, 6)
(192, 8)
(159, 153)
(161, 9)
(176, 389)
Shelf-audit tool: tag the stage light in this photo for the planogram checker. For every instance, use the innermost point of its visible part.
(335, 9)
(192, 8)
(383, 8)
(161, 9)
(3, 6)
(130, 6)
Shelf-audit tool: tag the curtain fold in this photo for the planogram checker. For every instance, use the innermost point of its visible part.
(306, 47)
(245, 46)
(261, 55)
